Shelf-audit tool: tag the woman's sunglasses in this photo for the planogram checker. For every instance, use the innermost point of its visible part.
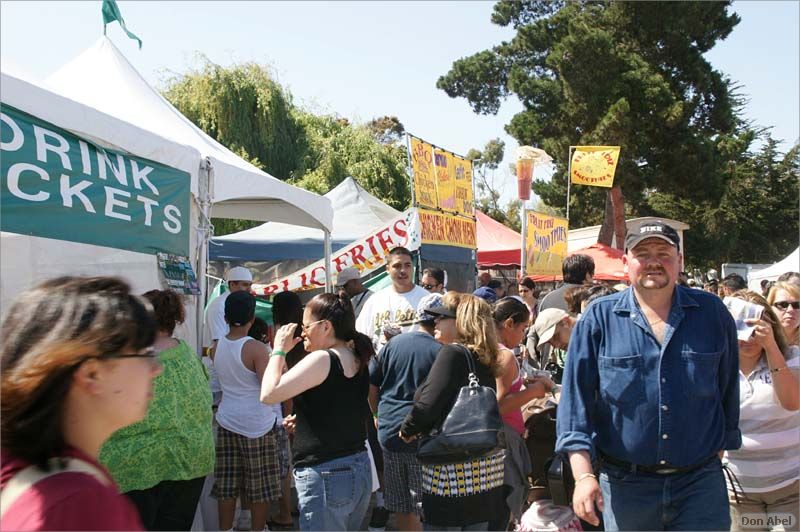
(783, 305)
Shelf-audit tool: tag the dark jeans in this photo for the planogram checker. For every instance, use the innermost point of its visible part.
(169, 505)
(696, 500)
(475, 526)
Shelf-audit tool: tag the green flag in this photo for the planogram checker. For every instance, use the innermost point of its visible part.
(111, 13)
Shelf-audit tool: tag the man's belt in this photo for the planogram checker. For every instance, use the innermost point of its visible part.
(657, 469)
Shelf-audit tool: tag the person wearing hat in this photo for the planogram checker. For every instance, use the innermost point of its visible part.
(349, 280)
(238, 279)
(401, 366)
(553, 327)
(486, 293)
(651, 391)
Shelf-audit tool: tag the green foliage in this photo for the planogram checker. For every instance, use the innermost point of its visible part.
(337, 150)
(242, 108)
(484, 164)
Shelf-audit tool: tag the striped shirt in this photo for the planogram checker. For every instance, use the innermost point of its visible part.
(768, 459)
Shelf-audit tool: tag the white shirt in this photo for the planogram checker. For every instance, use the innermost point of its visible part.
(769, 458)
(216, 325)
(388, 306)
(241, 410)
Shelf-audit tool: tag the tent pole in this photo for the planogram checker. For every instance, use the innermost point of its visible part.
(328, 265)
(207, 176)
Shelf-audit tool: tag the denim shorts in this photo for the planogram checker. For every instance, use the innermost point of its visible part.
(334, 495)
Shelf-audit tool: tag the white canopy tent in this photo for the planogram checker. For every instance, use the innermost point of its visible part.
(789, 264)
(26, 260)
(102, 77)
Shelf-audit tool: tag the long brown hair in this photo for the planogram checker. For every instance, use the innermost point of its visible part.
(768, 315)
(50, 330)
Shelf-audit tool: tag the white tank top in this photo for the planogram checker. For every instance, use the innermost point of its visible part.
(241, 410)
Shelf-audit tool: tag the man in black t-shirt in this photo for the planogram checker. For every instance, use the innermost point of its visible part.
(402, 365)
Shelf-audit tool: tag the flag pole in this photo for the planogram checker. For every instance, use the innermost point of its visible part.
(569, 179)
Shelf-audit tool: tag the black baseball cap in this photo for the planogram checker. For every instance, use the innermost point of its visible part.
(240, 308)
(654, 229)
(444, 312)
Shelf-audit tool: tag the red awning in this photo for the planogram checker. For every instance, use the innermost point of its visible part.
(607, 264)
(498, 246)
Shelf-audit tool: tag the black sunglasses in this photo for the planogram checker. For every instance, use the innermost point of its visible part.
(783, 305)
(428, 286)
(147, 353)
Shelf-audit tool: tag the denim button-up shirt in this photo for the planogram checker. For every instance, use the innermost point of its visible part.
(626, 395)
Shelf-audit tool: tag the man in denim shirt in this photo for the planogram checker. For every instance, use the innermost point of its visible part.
(651, 391)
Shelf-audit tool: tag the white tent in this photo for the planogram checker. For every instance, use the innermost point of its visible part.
(102, 77)
(790, 264)
(26, 260)
(355, 213)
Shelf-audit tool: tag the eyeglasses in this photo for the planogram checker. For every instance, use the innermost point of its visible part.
(429, 286)
(784, 305)
(307, 327)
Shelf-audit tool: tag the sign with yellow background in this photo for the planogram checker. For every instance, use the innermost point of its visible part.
(424, 173)
(445, 179)
(546, 244)
(448, 229)
(594, 165)
(463, 186)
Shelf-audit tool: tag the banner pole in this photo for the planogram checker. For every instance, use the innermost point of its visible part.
(569, 179)
(523, 256)
(410, 171)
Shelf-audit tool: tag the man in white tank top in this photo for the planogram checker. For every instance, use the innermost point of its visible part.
(247, 444)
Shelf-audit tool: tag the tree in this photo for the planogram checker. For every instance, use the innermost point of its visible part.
(243, 108)
(622, 73)
(484, 164)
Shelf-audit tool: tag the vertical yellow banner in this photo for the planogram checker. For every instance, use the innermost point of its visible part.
(424, 173)
(463, 186)
(594, 165)
(445, 179)
(546, 244)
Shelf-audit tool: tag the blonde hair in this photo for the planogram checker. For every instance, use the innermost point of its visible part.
(476, 329)
(794, 291)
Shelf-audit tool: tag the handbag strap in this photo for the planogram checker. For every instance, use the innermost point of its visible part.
(473, 374)
(26, 478)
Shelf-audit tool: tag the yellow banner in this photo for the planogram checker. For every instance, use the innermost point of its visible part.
(424, 173)
(546, 244)
(445, 179)
(447, 229)
(594, 165)
(465, 203)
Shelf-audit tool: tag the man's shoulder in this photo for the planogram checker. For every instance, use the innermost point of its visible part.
(413, 338)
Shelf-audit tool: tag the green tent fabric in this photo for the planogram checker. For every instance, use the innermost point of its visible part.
(264, 307)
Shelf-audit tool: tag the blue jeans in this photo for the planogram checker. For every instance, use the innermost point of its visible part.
(334, 495)
(475, 526)
(696, 500)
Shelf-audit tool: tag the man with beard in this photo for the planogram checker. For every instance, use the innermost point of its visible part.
(651, 391)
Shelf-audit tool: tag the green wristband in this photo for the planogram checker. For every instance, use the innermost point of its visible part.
(278, 353)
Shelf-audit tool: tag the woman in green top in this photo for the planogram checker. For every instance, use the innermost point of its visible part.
(161, 462)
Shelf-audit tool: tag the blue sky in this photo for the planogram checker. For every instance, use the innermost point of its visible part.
(368, 59)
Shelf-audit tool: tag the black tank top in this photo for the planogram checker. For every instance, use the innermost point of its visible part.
(330, 417)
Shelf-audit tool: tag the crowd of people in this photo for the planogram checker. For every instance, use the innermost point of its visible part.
(665, 409)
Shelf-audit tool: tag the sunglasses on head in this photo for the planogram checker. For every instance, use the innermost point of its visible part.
(783, 305)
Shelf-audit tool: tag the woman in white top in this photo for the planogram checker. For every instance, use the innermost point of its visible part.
(766, 469)
(785, 300)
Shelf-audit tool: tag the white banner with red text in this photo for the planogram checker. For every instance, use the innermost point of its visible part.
(367, 254)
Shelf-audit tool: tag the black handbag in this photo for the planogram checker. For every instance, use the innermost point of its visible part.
(559, 479)
(471, 429)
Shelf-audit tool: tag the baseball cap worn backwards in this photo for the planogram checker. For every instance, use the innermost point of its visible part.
(239, 273)
(655, 229)
(240, 308)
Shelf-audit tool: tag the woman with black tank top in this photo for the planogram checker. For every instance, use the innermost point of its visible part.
(329, 387)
